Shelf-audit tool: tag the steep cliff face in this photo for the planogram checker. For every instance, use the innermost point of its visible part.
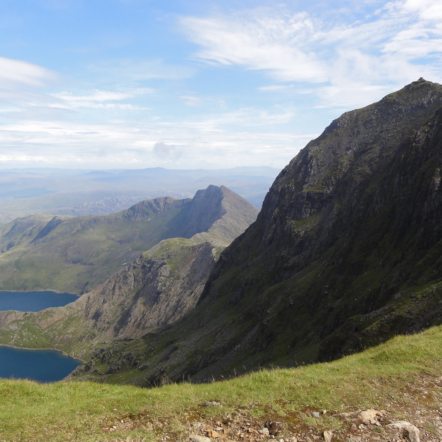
(345, 253)
(158, 289)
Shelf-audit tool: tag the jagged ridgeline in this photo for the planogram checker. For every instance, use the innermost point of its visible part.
(76, 254)
(345, 253)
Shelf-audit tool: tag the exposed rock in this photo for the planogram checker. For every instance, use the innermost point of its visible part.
(370, 416)
(328, 436)
(407, 430)
(274, 427)
(159, 288)
(84, 261)
(342, 210)
(212, 404)
(316, 414)
(197, 438)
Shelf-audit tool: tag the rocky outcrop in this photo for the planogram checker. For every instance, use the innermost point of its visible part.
(156, 290)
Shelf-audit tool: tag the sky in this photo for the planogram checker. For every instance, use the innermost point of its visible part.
(184, 84)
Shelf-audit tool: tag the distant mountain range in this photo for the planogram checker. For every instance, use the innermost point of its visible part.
(101, 192)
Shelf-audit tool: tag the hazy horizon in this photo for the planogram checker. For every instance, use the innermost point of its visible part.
(185, 85)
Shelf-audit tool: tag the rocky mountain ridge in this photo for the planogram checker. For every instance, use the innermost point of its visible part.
(344, 254)
(76, 254)
(159, 288)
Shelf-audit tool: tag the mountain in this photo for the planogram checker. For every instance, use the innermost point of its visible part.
(76, 254)
(157, 289)
(25, 192)
(344, 254)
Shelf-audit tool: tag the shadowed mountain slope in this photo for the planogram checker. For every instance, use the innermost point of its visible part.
(345, 253)
(76, 254)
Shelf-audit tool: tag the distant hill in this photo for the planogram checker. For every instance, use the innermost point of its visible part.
(159, 288)
(25, 192)
(76, 254)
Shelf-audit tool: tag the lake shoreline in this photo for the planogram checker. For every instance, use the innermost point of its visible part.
(64, 362)
(43, 349)
(41, 290)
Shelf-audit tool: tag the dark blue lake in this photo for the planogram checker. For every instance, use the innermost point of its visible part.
(33, 301)
(38, 365)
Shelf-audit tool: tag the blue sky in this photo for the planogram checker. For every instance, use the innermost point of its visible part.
(187, 84)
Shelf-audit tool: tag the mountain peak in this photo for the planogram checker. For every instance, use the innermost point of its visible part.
(216, 210)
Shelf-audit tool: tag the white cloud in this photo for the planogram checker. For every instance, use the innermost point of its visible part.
(191, 100)
(97, 98)
(427, 9)
(167, 151)
(207, 143)
(275, 87)
(22, 73)
(194, 101)
(258, 43)
(349, 64)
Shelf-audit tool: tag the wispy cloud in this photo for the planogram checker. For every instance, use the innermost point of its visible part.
(349, 63)
(197, 101)
(208, 143)
(98, 99)
(275, 87)
(21, 73)
(258, 42)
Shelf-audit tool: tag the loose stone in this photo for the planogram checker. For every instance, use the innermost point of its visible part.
(196, 438)
(408, 430)
(328, 436)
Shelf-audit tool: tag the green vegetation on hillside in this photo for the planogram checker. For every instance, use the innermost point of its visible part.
(80, 253)
(76, 254)
(157, 289)
(381, 378)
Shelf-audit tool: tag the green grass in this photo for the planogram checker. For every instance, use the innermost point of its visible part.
(81, 252)
(78, 411)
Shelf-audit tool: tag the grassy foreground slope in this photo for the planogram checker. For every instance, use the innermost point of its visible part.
(401, 376)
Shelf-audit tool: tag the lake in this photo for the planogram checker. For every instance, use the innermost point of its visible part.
(38, 365)
(34, 301)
